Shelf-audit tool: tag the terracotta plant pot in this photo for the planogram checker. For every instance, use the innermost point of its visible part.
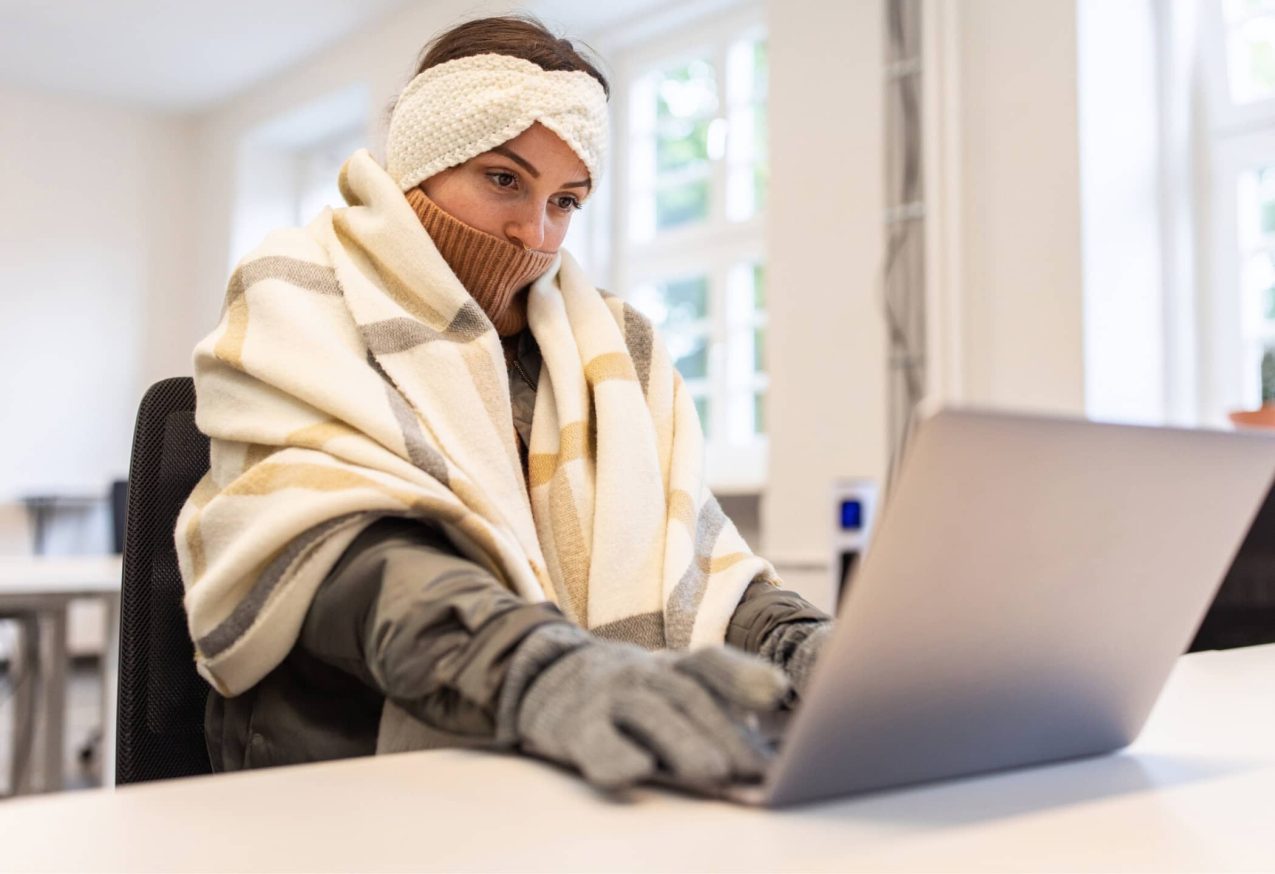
(1260, 418)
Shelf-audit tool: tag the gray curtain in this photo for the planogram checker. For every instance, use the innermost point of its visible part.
(903, 273)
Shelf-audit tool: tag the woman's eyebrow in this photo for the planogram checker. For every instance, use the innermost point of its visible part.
(526, 165)
(517, 159)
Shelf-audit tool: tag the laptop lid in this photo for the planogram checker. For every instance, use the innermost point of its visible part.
(1030, 584)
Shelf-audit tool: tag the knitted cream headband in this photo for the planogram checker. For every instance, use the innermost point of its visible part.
(462, 108)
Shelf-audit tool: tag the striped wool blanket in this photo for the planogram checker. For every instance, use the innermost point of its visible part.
(352, 376)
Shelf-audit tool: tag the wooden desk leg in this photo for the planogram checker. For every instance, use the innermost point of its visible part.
(54, 688)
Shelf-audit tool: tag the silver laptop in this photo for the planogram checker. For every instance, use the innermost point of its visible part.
(1028, 588)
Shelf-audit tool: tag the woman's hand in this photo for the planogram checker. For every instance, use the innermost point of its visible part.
(800, 666)
(621, 715)
(795, 647)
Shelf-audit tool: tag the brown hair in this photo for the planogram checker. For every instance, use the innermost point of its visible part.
(520, 36)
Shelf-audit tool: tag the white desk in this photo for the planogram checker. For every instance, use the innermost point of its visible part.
(41, 589)
(1196, 792)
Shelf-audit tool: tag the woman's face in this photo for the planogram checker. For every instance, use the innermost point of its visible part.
(524, 191)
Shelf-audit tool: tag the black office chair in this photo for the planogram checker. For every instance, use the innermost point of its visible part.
(119, 510)
(160, 727)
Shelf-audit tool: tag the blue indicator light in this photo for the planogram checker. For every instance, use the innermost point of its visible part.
(851, 515)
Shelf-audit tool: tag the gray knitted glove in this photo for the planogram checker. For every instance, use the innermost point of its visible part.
(795, 647)
(620, 714)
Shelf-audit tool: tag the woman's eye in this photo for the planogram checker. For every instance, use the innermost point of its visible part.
(568, 201)
(502, 178)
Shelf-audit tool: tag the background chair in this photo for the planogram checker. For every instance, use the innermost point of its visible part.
(1243, 613)
(160, 729)
(119, 510)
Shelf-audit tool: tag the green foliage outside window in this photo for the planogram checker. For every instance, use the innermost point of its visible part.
(687, 299)
(1261, 65)
(685, 145)
(761, 68)
(694, 364)
(1265, 184)
(681, 205)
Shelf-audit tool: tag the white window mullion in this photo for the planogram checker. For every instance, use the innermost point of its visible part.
(710, 245)
(717, 144)
(720, 359)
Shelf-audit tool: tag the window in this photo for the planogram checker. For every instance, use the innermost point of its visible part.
(690, 241)
(1250, 50)
(287, 166)
(1240, 51)
(317, 167)
(1255, 220)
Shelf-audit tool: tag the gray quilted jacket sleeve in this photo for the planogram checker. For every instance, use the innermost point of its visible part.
(763, 611)
(429, 629)
(435, 633)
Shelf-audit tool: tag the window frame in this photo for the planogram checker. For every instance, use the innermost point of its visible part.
(1227, 116)
(316, 167)
(1240, 138)
(712, 248)
(1236, 348)
(269, 157)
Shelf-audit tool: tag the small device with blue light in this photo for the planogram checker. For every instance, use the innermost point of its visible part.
(854, 504)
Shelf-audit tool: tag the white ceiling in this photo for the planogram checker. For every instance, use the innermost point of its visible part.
(177, 55)
(186, 55)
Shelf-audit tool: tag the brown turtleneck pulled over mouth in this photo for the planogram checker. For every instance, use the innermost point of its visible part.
(495, 272)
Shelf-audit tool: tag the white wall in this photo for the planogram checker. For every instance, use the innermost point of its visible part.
(826, 344)
(1002, 120)
(1020, 262)
(94, 266)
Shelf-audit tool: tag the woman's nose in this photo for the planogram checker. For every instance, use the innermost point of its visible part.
(527, 228)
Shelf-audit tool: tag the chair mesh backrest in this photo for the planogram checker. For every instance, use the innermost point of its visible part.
(160, 731)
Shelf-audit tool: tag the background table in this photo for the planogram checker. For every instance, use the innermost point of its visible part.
(1195, 792)
(39, 590)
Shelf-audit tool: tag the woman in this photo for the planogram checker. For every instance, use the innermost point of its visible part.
(456, 494)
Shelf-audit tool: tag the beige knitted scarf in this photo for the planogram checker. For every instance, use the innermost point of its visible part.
(352, 377)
